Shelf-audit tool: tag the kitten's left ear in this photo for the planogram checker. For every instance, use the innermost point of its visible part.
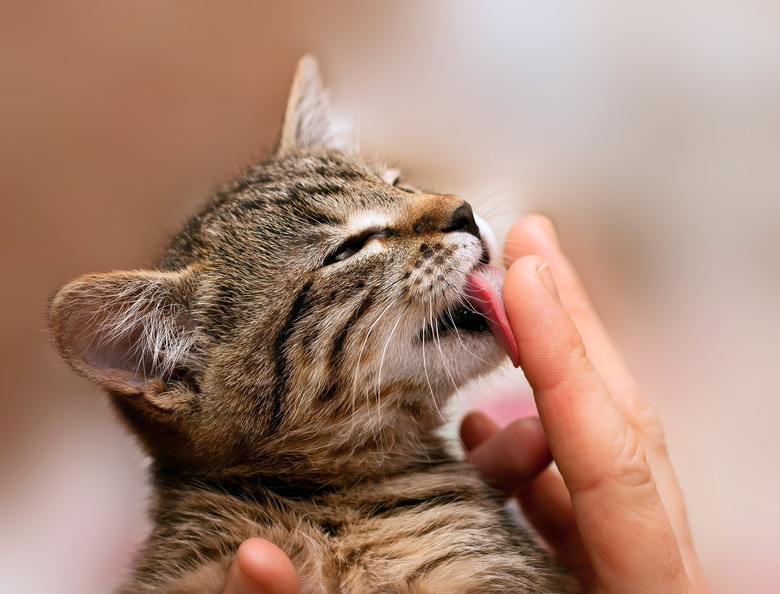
(308, 123)
(128, 331)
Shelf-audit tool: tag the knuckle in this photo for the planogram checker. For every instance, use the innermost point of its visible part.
(631, 467)
(623, 467)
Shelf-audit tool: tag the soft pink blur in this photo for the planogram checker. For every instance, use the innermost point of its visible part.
(651, 135)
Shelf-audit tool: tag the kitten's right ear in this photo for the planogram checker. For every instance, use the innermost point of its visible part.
(130, 332)
(308, 123)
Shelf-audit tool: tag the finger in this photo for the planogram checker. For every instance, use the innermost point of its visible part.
(619, 513)
(535, 234)
(547, 506)
(510, 458)
(261, 567)
(475, 428)
(542, 495)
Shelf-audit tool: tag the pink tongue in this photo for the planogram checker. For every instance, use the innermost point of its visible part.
(483, 291)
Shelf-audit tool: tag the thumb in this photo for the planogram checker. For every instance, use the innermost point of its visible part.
(261, 567)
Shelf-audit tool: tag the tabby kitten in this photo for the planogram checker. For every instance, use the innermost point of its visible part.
(285, 365)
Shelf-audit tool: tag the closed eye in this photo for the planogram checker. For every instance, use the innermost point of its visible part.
(353, 245)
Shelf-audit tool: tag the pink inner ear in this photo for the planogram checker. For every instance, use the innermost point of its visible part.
(106, 353)
(115, 361)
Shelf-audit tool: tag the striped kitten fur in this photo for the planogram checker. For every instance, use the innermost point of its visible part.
(284, 367)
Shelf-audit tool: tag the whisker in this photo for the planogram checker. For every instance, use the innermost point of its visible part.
(365, 340)
(441, 354)
(381, 363)
(425, 368)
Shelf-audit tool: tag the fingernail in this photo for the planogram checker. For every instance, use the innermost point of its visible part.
(547, 279)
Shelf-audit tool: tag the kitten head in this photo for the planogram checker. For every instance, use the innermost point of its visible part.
(309, 321)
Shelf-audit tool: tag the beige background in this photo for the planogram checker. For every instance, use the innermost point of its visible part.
(650, 134)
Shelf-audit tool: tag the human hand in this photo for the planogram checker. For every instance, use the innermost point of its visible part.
(261, 567)
(614, 515)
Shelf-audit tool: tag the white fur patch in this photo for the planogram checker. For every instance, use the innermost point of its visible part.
(488, 238)
(391, 176)
(364, 221)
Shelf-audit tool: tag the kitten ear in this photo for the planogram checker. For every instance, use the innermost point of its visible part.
(128, 331)
(308, 123)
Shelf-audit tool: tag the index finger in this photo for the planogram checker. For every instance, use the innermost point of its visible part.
(616, 503)
(535, 235)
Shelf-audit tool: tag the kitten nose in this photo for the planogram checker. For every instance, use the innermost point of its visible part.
(442, 213)
(462, 219)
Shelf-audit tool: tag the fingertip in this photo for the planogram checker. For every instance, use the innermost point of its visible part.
(531, 234)
(546, 335)
(526, 264)
(532, 430)
(512, 457)
(523, 280)
(525, 300)
(261, 567)
(527, 436)
(475, 428)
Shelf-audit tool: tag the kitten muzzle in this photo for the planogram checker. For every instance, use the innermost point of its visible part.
(483, 295)
(481, 310)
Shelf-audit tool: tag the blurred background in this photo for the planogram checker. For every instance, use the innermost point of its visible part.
(649, 131)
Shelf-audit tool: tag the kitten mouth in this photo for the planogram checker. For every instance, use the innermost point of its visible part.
(483, 310)
(462, 317)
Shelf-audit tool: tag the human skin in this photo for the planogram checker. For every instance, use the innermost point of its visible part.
(260, 567)
(612, 512)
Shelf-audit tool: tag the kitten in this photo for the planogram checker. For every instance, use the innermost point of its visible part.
(284, 367)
